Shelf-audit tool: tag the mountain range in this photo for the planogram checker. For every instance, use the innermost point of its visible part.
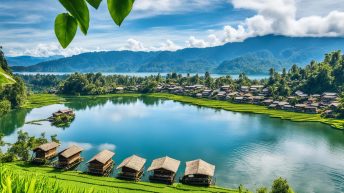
(252, 56)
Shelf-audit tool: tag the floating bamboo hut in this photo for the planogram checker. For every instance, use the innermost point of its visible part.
(199, 173)
(61, 112)
(101, 164)
(164, 170)
(132, 168)
(45, 152)
(70, 157)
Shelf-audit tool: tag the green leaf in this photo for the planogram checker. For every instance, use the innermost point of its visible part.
(79, 10)
(94, 3)
(65, 28)
(119, 9)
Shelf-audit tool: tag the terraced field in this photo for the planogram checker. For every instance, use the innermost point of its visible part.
(73, 181)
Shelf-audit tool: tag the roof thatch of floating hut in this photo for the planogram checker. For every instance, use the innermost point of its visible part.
(199, 167)
(133, 162)
(70, 151)
(46, 151)
(165, 163)
(102, 157)
(47, 146)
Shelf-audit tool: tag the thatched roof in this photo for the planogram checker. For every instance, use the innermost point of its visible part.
(134, 162)
(166, 163)
(47, 146)
(72, 150)
(199, 167)
(103, 157)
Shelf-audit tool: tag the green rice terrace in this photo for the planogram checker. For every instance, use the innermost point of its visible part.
(32, 178)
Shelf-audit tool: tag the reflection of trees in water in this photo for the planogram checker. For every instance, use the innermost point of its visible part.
(151, 101)
(88, 103)
(13, 120)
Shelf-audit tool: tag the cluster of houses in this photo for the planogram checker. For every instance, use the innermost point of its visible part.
(326, 102)
(162, 170)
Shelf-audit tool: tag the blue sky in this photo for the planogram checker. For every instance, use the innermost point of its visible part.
(26, 27)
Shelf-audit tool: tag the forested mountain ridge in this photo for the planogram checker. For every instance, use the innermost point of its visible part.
(282, 52)
(29, 60)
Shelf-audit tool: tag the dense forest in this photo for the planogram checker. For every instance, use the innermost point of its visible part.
(13, 91)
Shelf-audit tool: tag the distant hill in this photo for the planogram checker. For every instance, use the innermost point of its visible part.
(29, 60)
(252, 63)
(266, 51)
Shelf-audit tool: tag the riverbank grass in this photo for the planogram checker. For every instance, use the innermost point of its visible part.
(41, 100)
(73, 181)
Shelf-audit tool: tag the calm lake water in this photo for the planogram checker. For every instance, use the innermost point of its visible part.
(246, 148)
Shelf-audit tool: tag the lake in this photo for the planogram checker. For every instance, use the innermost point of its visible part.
(247, 149)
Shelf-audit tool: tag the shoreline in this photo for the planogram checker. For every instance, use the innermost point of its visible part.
(40, 100)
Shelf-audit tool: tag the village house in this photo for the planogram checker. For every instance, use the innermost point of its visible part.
(225, 88)
(45, 152)
(258, 100)
(164, 170)
(207, 93)
(311, 110)
(244, 89)
(198, 173)
(132, 168)
(70, 157)
(238, 100)
(221, 95)
(101, 164)
(65, 112)
(300, 108)
(267, 102)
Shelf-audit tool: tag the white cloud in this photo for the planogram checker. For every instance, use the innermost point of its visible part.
(280, 17)
(85, 146)
(107, 146)
(134, 45)
(44, 50)
(196, 43)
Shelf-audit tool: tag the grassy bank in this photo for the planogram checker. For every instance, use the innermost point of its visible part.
(249, 108)
(73, 181)
(40, 100)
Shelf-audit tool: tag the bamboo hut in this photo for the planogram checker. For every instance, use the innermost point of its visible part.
(70, 157)
(164, 170)
(199, 173)
(45, 152)
(132, 168)
(101, 164)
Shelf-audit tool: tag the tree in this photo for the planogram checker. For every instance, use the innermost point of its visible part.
(66, 24)
(262, 190)
(5, 107)
(281, 185)
(54, 139)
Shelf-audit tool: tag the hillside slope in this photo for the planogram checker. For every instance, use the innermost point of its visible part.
(5, 78)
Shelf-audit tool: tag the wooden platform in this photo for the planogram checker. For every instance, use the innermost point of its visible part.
(70, 166)
(130, 176)
(164, 179)
(194, 181)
